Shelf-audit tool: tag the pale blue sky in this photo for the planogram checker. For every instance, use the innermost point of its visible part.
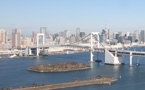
(58, 15)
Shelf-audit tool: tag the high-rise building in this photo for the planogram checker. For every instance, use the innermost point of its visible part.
(142, 36)
(136, 36)
(130, 38)
(34, 35)
(120, 39)
(103, 36)
(82, 34)
(120, 33)
(3, 36)
(61, 40)
(27, 41)
(114, 34)
(16, 38)
(44, 30)
(127, 34)
(77, 34)
(110, 36)
(66, 35)
(61, 34)
(72, 38)
(117, 35)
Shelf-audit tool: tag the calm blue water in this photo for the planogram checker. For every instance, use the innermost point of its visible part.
(13, 72)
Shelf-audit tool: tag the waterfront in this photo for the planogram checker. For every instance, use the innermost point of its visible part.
(13, 72)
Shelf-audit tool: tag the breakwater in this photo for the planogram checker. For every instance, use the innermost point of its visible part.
(102, 80)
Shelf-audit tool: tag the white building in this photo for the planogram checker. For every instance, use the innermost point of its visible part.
(66, 35)
(110, 36)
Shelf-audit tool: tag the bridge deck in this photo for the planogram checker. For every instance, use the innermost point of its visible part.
(126, 52)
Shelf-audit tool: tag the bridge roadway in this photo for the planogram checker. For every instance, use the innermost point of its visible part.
(11, 52)
(127, 52)
(119, 52)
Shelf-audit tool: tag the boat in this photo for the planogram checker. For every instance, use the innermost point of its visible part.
(12, 56)
(69, 52)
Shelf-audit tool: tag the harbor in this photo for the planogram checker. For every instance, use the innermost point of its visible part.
(131, 77)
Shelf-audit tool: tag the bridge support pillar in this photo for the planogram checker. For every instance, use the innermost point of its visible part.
(137, 61)
(91, 57)
(91, 51)
(130, 59)
(110, 58)
(116, 53)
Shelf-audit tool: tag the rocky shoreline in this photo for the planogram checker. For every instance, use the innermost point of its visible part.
(60, 67)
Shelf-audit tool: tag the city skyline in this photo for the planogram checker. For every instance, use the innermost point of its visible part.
(61, 15)
(72, 44)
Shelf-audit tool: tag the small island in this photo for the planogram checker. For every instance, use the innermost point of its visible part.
(60, 67)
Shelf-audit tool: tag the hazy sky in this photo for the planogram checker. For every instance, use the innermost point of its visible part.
(58, 15)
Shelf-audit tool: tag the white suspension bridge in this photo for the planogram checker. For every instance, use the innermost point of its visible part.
(112, 55)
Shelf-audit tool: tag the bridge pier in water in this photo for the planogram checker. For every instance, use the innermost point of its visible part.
(91, 57)
(113, 59)
(116, 57)
(137, 61)
(130, 59)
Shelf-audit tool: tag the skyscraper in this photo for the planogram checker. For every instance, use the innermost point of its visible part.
(16, 38)
(77, 34)
(103, 36)
(66, 35)
(135, 36)
(43, 30)
(34, 37)
(82, 34)
(110, 36)
(127, 34)
(72, 38)
(120, 39)
(142, 36)
(3, 36)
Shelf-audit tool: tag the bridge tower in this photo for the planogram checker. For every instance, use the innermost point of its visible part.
(43, 41)
(92, 44)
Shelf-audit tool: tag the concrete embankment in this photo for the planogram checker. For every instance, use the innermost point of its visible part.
(71, 84)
